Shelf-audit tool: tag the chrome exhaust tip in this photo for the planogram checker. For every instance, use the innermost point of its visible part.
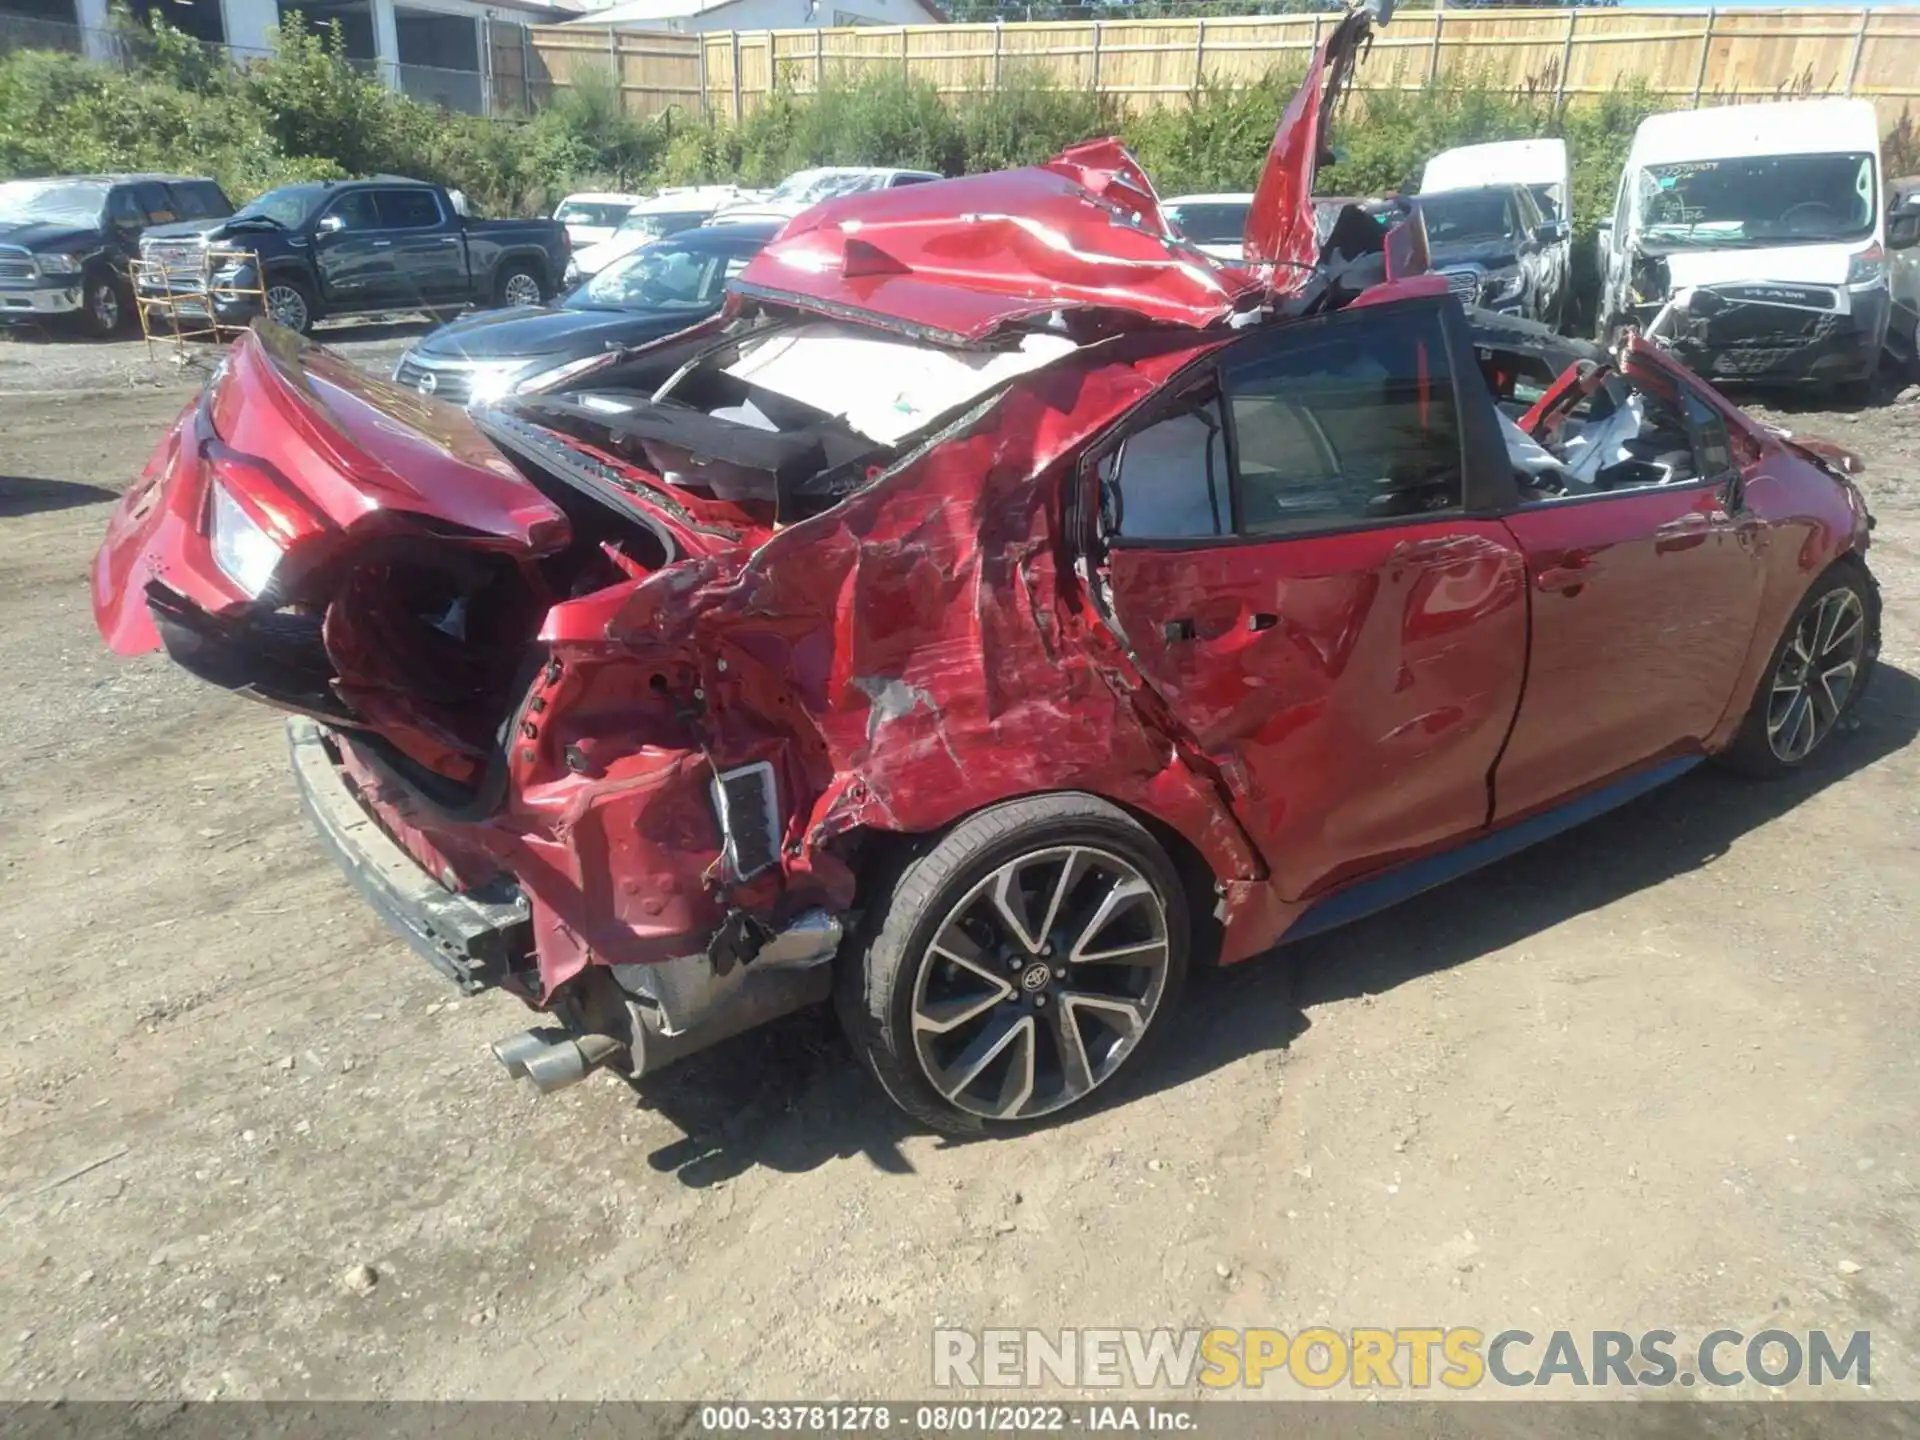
(514, 1051)
(553, 1060)
(557, 1067)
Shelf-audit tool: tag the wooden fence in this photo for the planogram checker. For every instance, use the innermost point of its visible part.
(655, 71)
(1692, 56)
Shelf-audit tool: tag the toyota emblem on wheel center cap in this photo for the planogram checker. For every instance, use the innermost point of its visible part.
(1034, 978)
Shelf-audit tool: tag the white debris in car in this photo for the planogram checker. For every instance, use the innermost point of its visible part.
(882, 386)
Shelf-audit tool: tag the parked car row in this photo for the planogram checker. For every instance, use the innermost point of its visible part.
(1761, 243)
(65, 242)
(305, 252)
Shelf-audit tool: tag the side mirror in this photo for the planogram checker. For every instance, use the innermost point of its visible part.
(1552, 232)
(1605, 222)
(330, 224)
(1903, 230)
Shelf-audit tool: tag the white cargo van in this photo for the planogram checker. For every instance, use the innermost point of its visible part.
(1543, 167)
(1760, 229)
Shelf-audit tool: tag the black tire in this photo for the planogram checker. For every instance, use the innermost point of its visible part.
(1854, 394)
(105, 304)
(298, 317)
(881, 973)
(520, 276)
(1757, 749)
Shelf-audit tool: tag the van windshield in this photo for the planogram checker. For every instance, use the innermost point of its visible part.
(1758, 200)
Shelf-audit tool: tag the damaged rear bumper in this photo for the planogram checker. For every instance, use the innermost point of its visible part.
(636, 1019)
(475, 939)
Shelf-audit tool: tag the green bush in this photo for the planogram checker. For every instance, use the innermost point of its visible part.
(1214, 141)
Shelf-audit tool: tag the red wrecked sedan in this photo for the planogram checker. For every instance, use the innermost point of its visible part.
(999, 609)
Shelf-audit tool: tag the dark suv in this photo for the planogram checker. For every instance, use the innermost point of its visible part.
(1496, 250)
(65, 241)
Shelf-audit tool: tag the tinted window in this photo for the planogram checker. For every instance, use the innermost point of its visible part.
(356, 211)
(155, 201)
(200, 200)
(1220, 223)
(1344, 422)
(1169, 480)
(408, 209)
(1712, 451)
(123, 209)
(900, 180)
(662, 222)
(1461, 216)
(595, 213)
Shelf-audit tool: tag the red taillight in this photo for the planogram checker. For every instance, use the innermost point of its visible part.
(286, 517)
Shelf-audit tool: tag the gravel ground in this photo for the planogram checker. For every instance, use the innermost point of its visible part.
(1657, 1073)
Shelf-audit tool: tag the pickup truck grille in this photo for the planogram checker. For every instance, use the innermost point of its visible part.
(17, 267)
(450, 383)
(1463, 281)
(181, 257)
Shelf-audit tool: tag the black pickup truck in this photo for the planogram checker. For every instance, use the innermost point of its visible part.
(351, 247)
(65, 241)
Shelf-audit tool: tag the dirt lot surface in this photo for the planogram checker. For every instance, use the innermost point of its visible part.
(1660, 1072)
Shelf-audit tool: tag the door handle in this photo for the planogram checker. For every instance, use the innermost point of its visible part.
(449, 239)
(1175, 631)
(1440, 547)
(381, 244)
(1576, 567)
(1685, 533)
(1262, 620)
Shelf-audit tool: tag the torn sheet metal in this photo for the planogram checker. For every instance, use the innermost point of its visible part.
(1280, 236)
(958, 260)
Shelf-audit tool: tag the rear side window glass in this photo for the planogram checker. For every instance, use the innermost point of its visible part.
(1712, 450)
(156, 202)
(201, 201)
(1346, 423)
(900, 180)
(408, 210)
(1169, 481)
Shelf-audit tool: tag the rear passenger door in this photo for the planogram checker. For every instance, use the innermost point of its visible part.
(429, 259)
(1301, 556)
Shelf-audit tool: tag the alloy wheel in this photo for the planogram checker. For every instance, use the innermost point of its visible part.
(106, 308)
(522, 289)
(1040, 982)
(1816, 674)
(288, 306)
